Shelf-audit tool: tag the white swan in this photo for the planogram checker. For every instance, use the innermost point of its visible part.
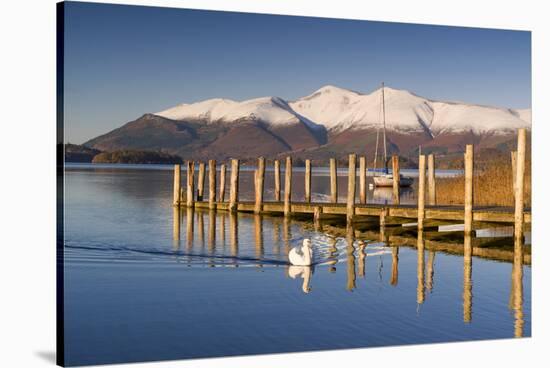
(301, 255)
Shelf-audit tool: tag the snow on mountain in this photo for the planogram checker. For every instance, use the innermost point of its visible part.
(271, 110)
(338, 109)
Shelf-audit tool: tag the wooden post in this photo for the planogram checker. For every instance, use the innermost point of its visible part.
(421, 190)
(333, 181)
(234, 186)
(520, 183)
(212, 184)
(200, 182)
(317, 211)
(350, 208)
(177, 185)
(362, 180)
(277, 176)
(288, 186)
(259, 185)
(190, 184)
(307, 182)
(431, 180)
(468, 188)
(396, 178)
(514, 155)
(222, 183)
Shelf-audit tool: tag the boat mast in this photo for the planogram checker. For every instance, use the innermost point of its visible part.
(384, 123)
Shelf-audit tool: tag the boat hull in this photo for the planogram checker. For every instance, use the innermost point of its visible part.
(387, 181)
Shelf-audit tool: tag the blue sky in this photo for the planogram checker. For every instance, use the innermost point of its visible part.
(124, 61)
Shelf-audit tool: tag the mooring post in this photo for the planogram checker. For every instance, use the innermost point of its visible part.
(259, 181)
(362, 180)
(514, 156)
(520, 185)
(350, 208)
(177, 185)
(468, 188)
(431, 180)
(211, 184)
(277, 177)
(307, 182)
(288, 186)
(396, 177)
(222, 183)
(190, 183)
(333, 181)
(200, 182)
(421, 190)
(234, 186)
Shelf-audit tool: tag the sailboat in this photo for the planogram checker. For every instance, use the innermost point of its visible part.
(382, 178)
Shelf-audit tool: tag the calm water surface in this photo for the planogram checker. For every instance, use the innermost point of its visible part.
(146, 282)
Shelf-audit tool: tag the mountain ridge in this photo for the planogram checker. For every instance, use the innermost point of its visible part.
(330, 121)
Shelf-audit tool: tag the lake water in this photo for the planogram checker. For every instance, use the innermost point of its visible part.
(145, 282)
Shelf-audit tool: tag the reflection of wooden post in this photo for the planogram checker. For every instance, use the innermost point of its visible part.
(517, 288)
(396, 178)
(317, 217)
(333, 181)
(190, 184)
(514, 157)
(177, 185)
(277, 177)
(421, 190)
(520, 182)
(259, 236)
(350, 209)
(362, 257)
(234, 186)
(200, 182)
(430, 270)
(431, 180)
(362, 180)
(288, 186)
(259, 185)
(234, 235)
(176, 227)
(211, 231)
(468, 188)
(307, 182)
(190, 227)
(467, 295)
(420, 267)
(212, 184)
(200, 225)
(222, 183)
(350, 235)
(222, 229)
(394, 266)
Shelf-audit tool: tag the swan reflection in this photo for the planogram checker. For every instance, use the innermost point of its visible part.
(305, 273)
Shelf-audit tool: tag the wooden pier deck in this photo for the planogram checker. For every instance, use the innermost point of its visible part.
(449, 213)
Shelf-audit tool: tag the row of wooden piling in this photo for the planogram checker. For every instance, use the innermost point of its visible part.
(518, 163)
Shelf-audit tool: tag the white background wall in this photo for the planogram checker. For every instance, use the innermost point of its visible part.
(27, 180)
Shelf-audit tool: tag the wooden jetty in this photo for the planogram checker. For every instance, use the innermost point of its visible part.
(354, 210)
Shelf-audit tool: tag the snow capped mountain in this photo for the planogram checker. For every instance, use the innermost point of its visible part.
(338, 109)
(270, 110)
